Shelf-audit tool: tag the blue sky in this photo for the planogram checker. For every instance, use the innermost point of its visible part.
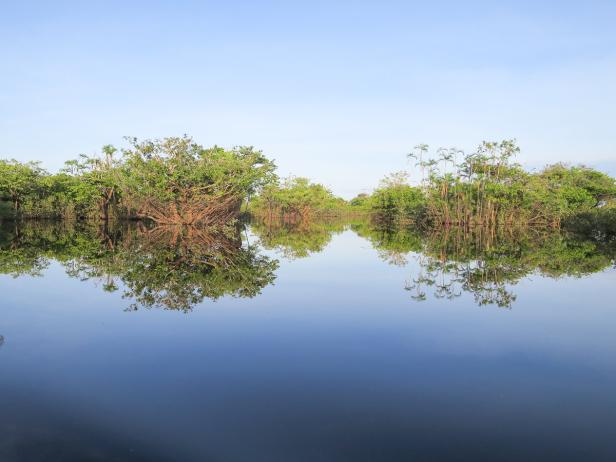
(336, 91)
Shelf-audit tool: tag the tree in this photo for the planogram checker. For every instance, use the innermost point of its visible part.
(18, 182)
(98, 182)
(177, 181)
(488, 188)
(396, 201)
(296, 199)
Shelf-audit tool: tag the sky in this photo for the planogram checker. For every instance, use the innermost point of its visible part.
(338, 91)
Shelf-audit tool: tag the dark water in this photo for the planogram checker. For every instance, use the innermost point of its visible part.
(332, 342)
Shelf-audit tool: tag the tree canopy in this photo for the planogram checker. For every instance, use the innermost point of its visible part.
(296, 199)
(487, 188)
(172, 181)
(178, 181)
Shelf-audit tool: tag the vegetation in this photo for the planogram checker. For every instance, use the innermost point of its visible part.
(175, 181)
(169, 181)
(395, 201)
(479, 220)
(598, 225)
(296, 200)
(487, 188)
(178, 181)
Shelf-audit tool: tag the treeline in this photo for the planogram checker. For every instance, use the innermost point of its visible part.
(296, 200)
(169, 181)
(486, 188)
(177, 181)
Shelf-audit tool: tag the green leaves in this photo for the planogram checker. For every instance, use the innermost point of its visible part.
(176, 180)
(19, 182)
(488, 188)
(296, 198)
(172, 179)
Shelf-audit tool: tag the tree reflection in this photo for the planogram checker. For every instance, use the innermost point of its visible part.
(170, 267)
(484, 263)
(297, 239)
(175, 267)
(393, 244)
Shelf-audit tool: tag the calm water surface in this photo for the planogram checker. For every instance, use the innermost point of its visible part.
(327, 343)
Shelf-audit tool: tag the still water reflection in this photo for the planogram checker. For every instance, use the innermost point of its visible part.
(168, 267)
(323, 341)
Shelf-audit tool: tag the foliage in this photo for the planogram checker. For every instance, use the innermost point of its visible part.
(170, 181)
(296, 199)
(487, 188)
(396, 201)
(598, 225)
(19, 182)
(178, 181)
(360, 202)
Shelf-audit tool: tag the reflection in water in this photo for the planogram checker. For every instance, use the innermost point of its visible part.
(168, 267)
(392, 244)
(178, 267)
(295, 240)
(486, 263)
(329, 365)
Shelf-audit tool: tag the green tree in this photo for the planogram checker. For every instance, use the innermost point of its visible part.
(19, 182)
(296, 199)
(176, 180)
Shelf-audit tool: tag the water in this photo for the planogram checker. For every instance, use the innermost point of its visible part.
(333, 342)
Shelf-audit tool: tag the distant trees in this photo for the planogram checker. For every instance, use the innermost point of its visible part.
(487, 188)
(19, 182)
(395, 200)
(360, 201)
(94, 183)
(178, 181)
(296, 199)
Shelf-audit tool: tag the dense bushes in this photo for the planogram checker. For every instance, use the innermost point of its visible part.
(296, 199)
(488, 188)
(177, 181)
(170, 181)
(396, 201)
(599, 224)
